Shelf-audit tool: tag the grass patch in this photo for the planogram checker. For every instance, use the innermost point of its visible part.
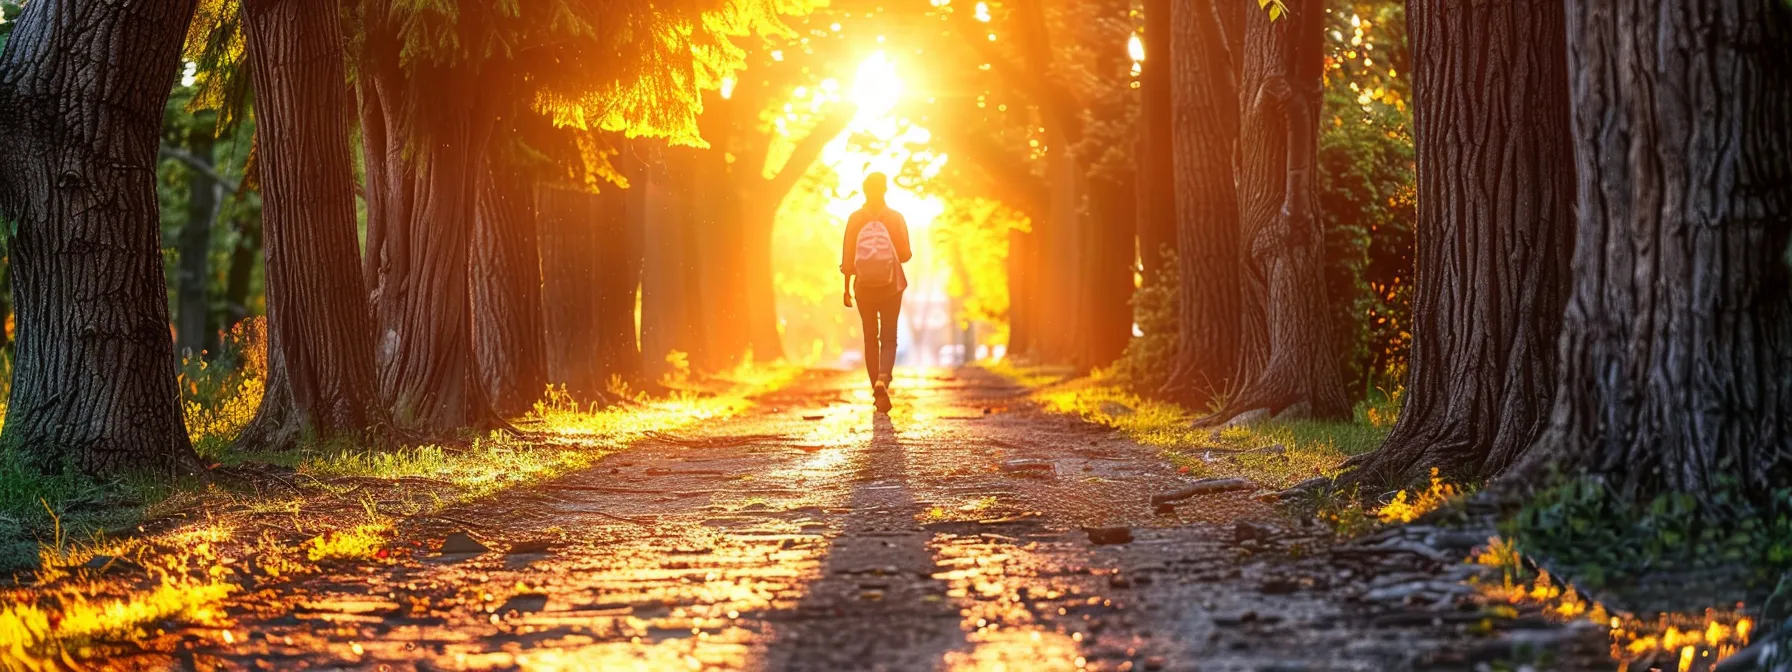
(359, 543)
(1277, 454)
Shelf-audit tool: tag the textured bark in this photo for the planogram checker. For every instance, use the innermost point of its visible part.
(424, 130)
(320, 336)
(1204, 133)
(82, 87)
(570, 243)
(192, 337)
(1676, 348)
(1495, 234)
(1284, 243)
(591, 266)
(1155, 152)
(508, 331)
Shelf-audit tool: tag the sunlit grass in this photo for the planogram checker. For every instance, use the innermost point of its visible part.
(1406, 508)
(1276, 454)
(75, 608)
(361, 542)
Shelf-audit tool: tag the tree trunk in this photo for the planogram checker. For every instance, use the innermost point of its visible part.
(241, 275)
(191, 334)
(572, 242)
(764, 339)
(1059, 246)
(508, 324)
(1676, 348)
(1495, 233)
(1108, 221)
(82, 87)
(1023, 293)
(1109, 244)
(320, 336)
(618, 288)
(1155, 154)
(669, 289)
(1205, 131)
(1284, 243)
(424, 159)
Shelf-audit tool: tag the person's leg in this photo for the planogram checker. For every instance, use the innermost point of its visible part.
(887, 315)
(868, 324)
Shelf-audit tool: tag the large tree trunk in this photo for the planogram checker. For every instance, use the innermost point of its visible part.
(1155, 153)
(424, 159)
(1495, 233)
(320, 336)
(1059, 305)
(508, 332)
(1676, 348)
(1109, 241)
(1284, 243)
(193, 309)
(590, 289)
(1204, 133)
(764, 339)
(82, 86)
(619, 285)
(1108, 230)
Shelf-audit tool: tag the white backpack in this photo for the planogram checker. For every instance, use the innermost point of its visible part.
(875, 258)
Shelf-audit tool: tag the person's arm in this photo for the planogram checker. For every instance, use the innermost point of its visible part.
(903, 251)
(846, 262)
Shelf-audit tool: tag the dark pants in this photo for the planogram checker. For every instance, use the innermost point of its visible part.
(878, 318)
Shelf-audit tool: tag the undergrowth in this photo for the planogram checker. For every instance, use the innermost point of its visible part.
(1605, 539)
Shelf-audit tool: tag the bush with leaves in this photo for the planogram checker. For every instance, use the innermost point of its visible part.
(1367, 188)
(1145, 366)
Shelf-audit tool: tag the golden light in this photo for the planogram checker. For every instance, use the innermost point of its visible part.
(1135, 48)
(877, 88)
(876, 139)
(728, 87)
(982, 13)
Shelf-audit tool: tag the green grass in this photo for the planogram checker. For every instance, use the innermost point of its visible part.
(1307, 448)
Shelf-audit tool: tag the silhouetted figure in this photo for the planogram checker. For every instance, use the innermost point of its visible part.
(871, 258)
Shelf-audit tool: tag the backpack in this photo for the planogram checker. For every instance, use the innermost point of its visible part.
(875, 258)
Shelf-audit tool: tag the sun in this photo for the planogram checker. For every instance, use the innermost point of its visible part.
(877, 87)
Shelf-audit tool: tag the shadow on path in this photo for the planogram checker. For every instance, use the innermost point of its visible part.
(875, 604)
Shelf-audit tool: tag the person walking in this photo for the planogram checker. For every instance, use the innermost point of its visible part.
(871, 258)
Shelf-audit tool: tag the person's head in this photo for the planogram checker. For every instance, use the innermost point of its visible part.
(876, 185)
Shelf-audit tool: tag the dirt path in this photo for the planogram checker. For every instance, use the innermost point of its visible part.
(809, 536)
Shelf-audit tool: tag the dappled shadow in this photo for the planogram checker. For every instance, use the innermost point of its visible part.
(875, 603)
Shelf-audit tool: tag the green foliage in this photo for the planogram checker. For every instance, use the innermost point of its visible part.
(1602, 538)
(9, 12)
(1144, 367)
(1367, 187)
